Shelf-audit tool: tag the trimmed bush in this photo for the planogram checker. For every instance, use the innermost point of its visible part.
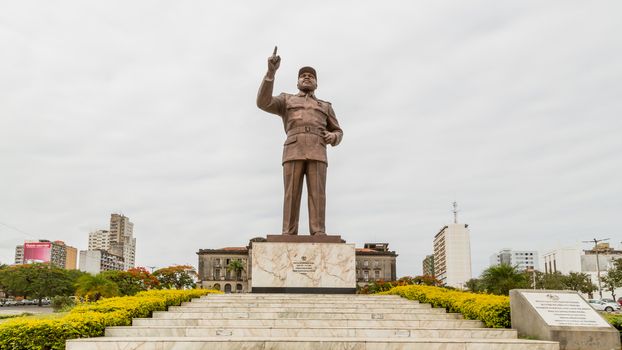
(493, 310)
(89, 320)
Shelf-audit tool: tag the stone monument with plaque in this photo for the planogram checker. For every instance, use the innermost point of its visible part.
(562, 316)
(303, 264)
(289, 263)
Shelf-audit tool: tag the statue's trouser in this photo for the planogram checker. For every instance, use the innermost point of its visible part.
(293, 173)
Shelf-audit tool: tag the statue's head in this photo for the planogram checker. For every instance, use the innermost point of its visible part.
(307, 79)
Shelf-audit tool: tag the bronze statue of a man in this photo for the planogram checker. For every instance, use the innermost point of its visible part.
(310, 124)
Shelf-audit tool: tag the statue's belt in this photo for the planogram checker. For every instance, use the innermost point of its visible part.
(305, 130)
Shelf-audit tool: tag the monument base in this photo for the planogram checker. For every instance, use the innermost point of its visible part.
(303, 264)
(562, 316)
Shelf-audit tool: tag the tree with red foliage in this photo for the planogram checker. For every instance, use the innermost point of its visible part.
(177, 276)
(132, 281)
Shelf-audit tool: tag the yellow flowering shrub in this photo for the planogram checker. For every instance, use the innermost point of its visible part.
(89, 320)
(493, 310)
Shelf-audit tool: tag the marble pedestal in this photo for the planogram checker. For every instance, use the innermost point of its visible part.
(303, 264)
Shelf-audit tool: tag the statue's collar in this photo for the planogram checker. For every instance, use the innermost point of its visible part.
(309, 94)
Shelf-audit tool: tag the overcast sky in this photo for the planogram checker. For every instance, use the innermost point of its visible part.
(147, 108)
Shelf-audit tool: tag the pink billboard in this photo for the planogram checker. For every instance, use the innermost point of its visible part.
(37, 252)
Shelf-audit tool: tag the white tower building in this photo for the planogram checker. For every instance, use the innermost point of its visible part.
(452, 253)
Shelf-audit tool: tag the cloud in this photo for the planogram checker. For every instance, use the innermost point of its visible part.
(149, 109)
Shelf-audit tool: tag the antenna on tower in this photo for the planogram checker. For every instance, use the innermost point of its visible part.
(455, 212)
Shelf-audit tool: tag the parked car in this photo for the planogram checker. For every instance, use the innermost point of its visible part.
(10, 302)
(620, 301)
(602, 305)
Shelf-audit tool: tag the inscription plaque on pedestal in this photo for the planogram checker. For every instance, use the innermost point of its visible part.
(565, 309)
(562, 316)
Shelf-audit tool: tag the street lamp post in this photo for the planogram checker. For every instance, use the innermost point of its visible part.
(596, 241)
(533, 274)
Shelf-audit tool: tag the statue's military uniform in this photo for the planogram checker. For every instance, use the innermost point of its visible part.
(305, 119)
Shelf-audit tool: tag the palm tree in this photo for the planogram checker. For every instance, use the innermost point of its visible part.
(236, 266)
(96, 287)
(499, 279)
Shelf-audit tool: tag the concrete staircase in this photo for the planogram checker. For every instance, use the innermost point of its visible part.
(304, 321)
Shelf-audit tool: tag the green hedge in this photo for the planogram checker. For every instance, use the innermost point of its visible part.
(89, 320)
(493, 310)
(614, 319)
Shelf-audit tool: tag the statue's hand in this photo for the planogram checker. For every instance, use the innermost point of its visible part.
(329, 137)
(273, 63)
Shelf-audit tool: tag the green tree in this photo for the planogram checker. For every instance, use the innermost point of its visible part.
(13, 280)
(236, 266)
(579, 282)
(132, 281)
(96, 287)
(554, 281)
(499, 279)
(474, 285)
(36, 281)
(177, 277)
(613, 279)
(3, 268)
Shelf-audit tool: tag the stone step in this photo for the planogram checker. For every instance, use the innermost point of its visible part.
(284, 296)
(309, 304)
(337, 315)
(302, 323)
(287, 343)
(301, 298)
(380, 332)
(302, 301)
(287, 308)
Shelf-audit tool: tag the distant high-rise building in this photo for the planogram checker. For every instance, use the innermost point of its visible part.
(71, 260)
(96, 261)
(118, 240)
(521, 259)
(122, 241)
(19, 254)
(452, 254)
(43, 251)
(99, 239)
(428, 265)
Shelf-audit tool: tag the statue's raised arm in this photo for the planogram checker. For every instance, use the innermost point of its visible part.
(265, 101)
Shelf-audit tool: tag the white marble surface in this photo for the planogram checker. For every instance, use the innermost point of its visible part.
(214, 331)
(303, 323)
(303, 265)
(336, 315)
(304, 343)
(287, 308)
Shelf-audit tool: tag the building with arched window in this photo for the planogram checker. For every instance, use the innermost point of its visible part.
(229, 269)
